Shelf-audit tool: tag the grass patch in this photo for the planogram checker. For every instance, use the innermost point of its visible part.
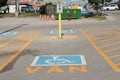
(99, 17)
(32, 14)
(29, 14)
(7, 15)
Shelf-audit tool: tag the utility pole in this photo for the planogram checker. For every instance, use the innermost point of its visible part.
(119, 4)
(17, 8)
(103, 6)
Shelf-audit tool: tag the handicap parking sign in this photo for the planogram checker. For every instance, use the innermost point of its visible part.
(59, 8)
(58, 60)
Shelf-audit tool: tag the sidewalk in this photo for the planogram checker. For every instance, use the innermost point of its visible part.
(33, 20)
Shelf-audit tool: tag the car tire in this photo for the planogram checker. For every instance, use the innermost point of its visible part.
(107, 9)
(116, 9)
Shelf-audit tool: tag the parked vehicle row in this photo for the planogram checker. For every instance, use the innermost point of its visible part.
(111, 7)
(27, 9)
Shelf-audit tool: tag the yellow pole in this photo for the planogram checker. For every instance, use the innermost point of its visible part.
(60, 27)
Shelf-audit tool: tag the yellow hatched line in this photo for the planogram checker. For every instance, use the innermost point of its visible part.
(97, 32)
(109, 45)
(10, 47)
(106, 31)
(4, 44)
(1, 53)
(21, 35)
(107, 39)
(4, 56)
(25, 36)
(93, 37)
(118, 64)
(19, 51)
(113, 56)
(56, 37)
(12, 51)
(114, 31)
(107, 59)
(1, 38)
(74, 36)
(114, 49)
(1, 62)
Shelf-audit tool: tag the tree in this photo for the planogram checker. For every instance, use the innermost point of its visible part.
(3, 2)
(98, 1)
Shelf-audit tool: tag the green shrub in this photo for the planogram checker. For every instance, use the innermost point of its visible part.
(99, 17)
(30, 14)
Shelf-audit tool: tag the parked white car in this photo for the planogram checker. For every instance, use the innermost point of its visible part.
(110, 7)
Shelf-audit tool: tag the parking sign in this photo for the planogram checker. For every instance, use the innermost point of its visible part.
(59, 8)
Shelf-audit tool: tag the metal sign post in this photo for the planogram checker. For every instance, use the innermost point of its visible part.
(59, 10)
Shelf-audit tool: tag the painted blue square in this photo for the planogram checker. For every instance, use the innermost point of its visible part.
(59, 60)
(63, 31)
(8, 33)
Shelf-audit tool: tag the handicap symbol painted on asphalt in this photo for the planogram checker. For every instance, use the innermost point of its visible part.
(8, 33)
(63, 31)
(58, 60)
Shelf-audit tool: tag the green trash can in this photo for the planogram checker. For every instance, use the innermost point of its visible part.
(75, 14)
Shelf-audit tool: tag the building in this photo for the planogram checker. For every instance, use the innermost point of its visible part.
(37, 3)
(22, 3)
(64, 2)
(69, 2)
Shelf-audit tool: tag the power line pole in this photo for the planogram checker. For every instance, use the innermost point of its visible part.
(17, 8)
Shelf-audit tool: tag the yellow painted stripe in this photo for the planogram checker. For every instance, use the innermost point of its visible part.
(4, 44)
(114, 49)
(1, 38)
(4, 56)
(12, 51)
(108, 45)
(21, 35)
(106, 38)
(74, 36)
(1, 63)
(98, 31)
(1, 53)
(100, 41)
(118, 64)
(107, 59)
(55, 37)
(113, 56)
(10, 47)
(93, 37)
(114, 30)
(19, 51)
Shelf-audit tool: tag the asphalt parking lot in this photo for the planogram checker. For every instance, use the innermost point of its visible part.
(30, 49)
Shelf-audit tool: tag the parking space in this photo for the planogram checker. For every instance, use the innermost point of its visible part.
(107, 43)
(88, 50)
(10, 49)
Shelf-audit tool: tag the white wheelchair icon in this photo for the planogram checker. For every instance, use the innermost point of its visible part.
(57, 60)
